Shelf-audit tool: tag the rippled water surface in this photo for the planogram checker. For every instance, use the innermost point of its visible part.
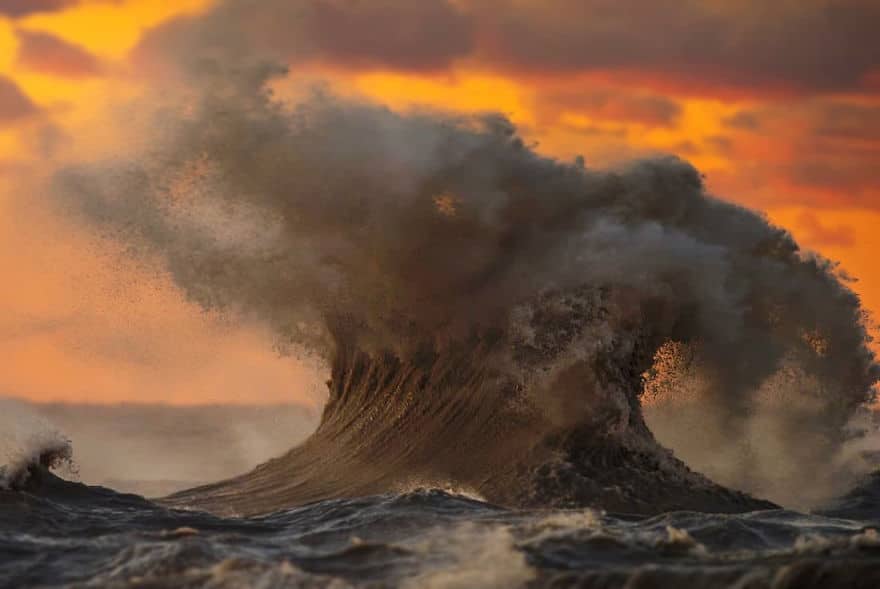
(66, 534)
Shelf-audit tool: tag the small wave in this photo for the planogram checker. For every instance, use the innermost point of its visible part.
(49, 455)
(424, 486)
(28, 443)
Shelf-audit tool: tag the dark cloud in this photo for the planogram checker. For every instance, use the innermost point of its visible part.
(743, 121)
(396, 34)
(818, 151)
(615, 105)
(840, 150)
(597, 131)
(686, 148)
(48, 54)
(17, 8)
(844, 120)
(14, 104)
(851, 177)
(813, 44)
(719, 144)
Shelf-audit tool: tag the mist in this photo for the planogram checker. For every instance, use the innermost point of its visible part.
(333, 221)
(153, 450)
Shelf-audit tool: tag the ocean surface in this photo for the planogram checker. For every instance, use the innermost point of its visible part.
(55, 533)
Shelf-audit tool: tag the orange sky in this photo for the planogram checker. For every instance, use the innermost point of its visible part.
(776, 124)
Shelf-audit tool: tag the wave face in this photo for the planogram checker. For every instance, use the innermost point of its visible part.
(469, 417)
(487, 314)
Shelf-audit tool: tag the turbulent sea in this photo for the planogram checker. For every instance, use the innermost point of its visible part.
(58, 533)
(621, 376)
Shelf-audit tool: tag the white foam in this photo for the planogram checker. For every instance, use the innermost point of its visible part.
(27, 440)
(472, 555)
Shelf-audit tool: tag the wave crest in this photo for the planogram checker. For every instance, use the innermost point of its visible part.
(27, 444)
(487, 313)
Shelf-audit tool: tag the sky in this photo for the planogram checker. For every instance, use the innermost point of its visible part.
(778, 105)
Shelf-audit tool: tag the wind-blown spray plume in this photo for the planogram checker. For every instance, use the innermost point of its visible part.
(487, 313)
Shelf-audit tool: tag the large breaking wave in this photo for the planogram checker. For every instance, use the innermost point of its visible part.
(490, 317)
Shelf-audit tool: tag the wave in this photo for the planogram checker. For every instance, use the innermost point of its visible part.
(51, 454)
(29, 445)
(459, 416)
(490, 317)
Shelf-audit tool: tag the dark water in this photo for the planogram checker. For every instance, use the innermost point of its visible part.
(56, 533)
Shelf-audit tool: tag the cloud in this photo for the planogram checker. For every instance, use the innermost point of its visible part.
(814, 152)
(743, 121)
(424, 35)
(384, 34)
(699, 47)
(850, 177)
(686, 148)
(599, 131)
(841, 149)
(615, 105)
(19, 8)
(14, 104)
(48, 54)
(813, 44)
(719, 144)
(844, 120)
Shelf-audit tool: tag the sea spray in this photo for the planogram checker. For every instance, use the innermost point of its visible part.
(486, 313)
(28, 442)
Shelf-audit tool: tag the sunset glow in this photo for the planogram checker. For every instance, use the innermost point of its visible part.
(79, 324)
